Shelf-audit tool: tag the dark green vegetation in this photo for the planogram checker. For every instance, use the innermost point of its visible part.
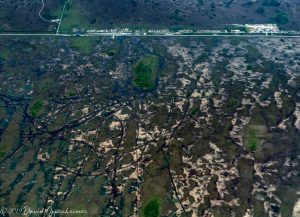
(16, 16)
(254, 136)
(4, 54)
(145, 72)
(280, 18)
(2, 154)
(79, 131)
(274, 3)
(136, 14)
(161, 14)
(152, 208)
(201, 14)
(36, 107)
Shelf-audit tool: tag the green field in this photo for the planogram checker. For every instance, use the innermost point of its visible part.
(84, 45)
(254, 136)
(4, 54)
(74, 17)
(36, 108)
(144, 72)
(152, 208)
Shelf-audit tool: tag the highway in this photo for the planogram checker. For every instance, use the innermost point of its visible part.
(151, 35)
(34, 34)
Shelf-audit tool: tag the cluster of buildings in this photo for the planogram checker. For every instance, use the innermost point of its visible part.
(262, 28)
(234, 29)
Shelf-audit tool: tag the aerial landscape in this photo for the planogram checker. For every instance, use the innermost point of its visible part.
(150, 108)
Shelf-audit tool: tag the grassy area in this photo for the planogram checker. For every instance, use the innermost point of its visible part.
(4, 54)
(144, 72)
(36, 108)
(73, 18)
(254, 136)
(85, 45)
(9, 138)
(152, 208)
(2, 154)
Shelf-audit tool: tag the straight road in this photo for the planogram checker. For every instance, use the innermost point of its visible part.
(33, 34)
(61, 17)
(129, 35)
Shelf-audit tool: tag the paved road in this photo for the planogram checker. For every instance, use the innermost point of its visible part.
(34, 34)
(127, 35)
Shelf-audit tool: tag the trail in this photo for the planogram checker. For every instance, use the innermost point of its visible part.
(61, 17)
(40, 14)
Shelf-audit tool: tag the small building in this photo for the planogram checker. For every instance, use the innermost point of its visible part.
(237, 31)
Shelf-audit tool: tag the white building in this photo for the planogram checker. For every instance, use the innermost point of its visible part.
(262, 28)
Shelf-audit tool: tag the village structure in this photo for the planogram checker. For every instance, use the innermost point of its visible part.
(264, 29)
